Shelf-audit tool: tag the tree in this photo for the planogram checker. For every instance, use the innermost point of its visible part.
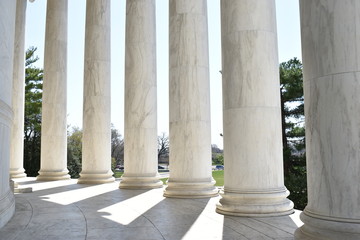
(163, 148)
(117, 147)
(32, 118)
(74, 152)
(217, 155)
(293, 130)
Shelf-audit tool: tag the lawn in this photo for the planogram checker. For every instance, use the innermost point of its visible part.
(118, 174)
(217, 175)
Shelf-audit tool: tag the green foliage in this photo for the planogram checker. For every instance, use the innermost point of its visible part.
(217, 155)
(32, 119)
(74, 152)
(293, 130)
(218, 159)
(296, 183)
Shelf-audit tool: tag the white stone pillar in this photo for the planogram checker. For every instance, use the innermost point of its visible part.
(330, 34)
(7, 33)
(18, 94)
(96, 146)
(141, 163)
(53, 165)
(254, 181)
(190, 133)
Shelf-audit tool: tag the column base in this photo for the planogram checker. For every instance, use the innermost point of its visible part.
(17, 173)
(95, 178)
(53, 175)
(255, 203)
(318, 227)
(140, 182)
(7, 207)
(179, 189)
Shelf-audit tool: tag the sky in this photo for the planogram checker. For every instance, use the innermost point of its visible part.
(289, 45)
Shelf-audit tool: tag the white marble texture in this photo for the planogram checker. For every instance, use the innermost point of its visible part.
(18, 94)
(63, 210)
(7, 33)
(53, 164)
(330, 33)
(190, 139)
(254, 182)
(96, 147)
(140, 133)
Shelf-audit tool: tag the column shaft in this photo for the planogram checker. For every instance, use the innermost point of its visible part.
(330, 37)
(7, 33)
(17, 131)
(53, 165)
(140, 140)
(254, 182)
(96, 146)
(190, 133)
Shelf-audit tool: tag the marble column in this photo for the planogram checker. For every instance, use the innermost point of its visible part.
(7, 33)
(330, 34)
(53, 165)
(140, 157)
(254, 181)
(18, 94)
(96, 146)
(190, 133)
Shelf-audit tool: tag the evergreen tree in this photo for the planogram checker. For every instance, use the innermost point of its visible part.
(293, 130)
(32, 119)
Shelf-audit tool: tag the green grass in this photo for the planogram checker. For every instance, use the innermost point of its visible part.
(118, 174)
(217, 175)
(164, 180)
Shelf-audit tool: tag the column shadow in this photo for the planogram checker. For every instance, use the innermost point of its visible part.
(282, 227)
(77, 211)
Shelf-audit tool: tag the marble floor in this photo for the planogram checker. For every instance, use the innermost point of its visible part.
(66, 210)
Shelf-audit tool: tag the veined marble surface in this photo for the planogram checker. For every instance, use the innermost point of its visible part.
(140, 137)
(254, 183)
(330, 33)
(7, 34)
(54, 126)
(96, 147)
(18, 94)
(65, 210)
(190, 150)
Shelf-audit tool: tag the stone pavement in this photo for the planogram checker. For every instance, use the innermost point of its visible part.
(64, 210)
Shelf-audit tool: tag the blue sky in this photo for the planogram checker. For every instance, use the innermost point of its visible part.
(288, 41)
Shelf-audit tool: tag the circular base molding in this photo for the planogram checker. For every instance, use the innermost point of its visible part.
(17, 173)
(318, 227)
(177, 189)
(136, 182)
(95, 178)
(53, 175)
(255, 203)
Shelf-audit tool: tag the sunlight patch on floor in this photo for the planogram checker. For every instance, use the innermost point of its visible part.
(206, 227)
(72, 196)
(126, 211)
(296, 218)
